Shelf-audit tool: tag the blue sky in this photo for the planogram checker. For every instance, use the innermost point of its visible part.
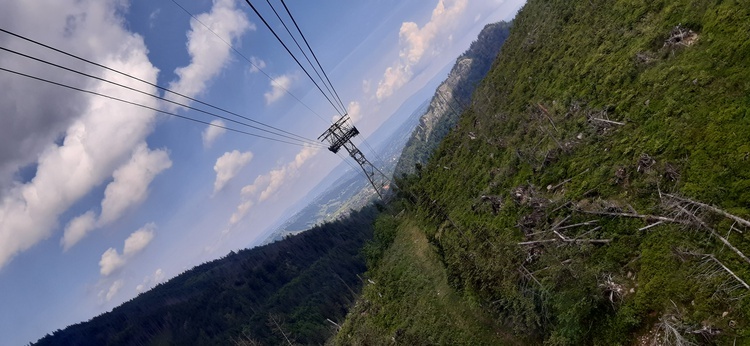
(101, 200)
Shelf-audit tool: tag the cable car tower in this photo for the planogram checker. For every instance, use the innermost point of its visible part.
(340, 135)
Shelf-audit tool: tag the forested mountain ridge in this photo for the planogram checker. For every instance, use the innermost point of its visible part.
(263, 295)
(452, 96)
(595, 192)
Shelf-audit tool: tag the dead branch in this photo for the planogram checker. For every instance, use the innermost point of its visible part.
(589, 231)
(534, 242)
(711, 208)
(338, 327)
(579, 224)
(633, 215)
(565, 182)
(553, 138)
(651, 225)
(608, 121)
(615, 290)
(729, 271)
(546, 113)
(716, 234)
(555, 226)
(562, 237)
(560, 207)
(527, 272)
(567, 240)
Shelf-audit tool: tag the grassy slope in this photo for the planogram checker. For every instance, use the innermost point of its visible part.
(411, 301)
(686, 107)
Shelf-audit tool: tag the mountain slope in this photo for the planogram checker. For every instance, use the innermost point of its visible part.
(596, 192)
(264, 295)
(452, 96)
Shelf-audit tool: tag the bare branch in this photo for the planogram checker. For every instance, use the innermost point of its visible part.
(717, 235)
(711, 208)
(633, 215)
(651, 225)
(579, 224)
(729, 271)
(608, 121)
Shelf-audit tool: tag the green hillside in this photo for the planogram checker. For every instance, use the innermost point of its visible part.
(597, 190)
(263, 296)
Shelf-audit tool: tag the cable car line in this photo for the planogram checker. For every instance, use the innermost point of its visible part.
(292, 55)
(154, 96)
(305, 55)
(144, 106)
(249, 61)
(144, 81)
(313, 52)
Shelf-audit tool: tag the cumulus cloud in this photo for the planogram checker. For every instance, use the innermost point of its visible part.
(114, 288)
(257, 64)
(366, 86)
(64, 134)
(111, 260)
(355, 111)
(211, 133)
(92, 147)
(138, 240)
(416, 42)
(131, 181)
(209, 54)
(129, 188)
(241, 211)
(150, 281)
(268, 184)
(228, 165)
(279, 86)
(77, 229)
(34, 114)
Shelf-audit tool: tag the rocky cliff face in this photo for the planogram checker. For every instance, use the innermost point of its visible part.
(452, 97)
(444, 103)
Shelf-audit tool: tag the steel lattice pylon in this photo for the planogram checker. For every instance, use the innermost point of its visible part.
(340, 135)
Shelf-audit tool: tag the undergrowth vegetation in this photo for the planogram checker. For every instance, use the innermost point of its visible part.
(597, 191)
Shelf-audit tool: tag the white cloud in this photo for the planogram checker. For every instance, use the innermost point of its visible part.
(77, 229)
(355, 111)
(138, 240)
(279, 86)
(366, 86)
(240, 213)
(93, 145)
(116, 286)
(211, 133)
(257, 64)
(268, 184)
(228, 165)
(416, 42)
(111, 260)
(131, 181)
(34, 114)
(151, 280)
(152, 17)
(208, 54)
(129, 188)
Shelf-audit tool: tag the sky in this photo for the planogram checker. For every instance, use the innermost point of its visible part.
(101, 200)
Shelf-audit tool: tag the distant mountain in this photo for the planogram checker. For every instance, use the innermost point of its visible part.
(288, 289)
(352, 191)
(452, 96)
